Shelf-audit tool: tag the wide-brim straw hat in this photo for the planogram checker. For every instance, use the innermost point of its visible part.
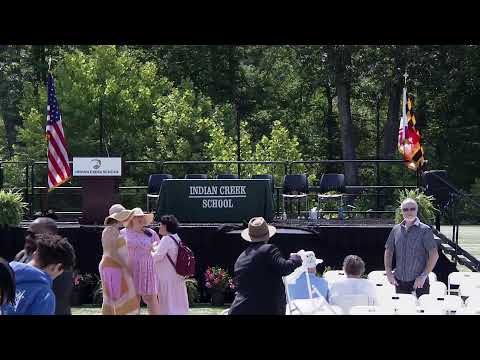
(117, 212)
(139, 212)
(258, 230)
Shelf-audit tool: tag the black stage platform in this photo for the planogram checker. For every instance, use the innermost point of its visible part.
(221, 244)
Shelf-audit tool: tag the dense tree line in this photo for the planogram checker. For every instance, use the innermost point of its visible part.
(169, 102)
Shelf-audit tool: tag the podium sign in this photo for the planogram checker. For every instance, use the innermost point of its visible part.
(97, 166)
(100, 179)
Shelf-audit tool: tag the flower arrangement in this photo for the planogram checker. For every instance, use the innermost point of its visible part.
(218, 279)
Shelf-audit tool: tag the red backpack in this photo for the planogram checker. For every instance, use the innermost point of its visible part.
(185, 260)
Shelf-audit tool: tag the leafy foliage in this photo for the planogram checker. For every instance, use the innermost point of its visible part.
(426, 209)
(192, 291)
(12, 208)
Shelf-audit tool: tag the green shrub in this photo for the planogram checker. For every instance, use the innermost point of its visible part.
(426, 210)
(192, 291)
(12, 208)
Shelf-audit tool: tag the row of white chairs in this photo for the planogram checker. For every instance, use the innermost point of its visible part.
(466, 283)
(379, 310)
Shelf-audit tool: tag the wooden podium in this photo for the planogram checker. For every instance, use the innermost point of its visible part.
(100, 180)
(98, 194)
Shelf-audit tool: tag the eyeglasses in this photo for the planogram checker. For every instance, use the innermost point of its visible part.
(408, 209)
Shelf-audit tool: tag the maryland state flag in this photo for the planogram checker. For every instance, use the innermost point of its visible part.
(409, 137)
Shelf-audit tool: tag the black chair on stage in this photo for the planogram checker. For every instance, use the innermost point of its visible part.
(154, 186)
(227, 176)
(196, 176)
(295, 187)
(268, 177)
(331, 182)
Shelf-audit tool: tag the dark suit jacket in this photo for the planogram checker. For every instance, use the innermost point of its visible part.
(258, 278)
(62, 288)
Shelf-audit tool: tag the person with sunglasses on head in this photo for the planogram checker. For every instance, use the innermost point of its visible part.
(415, 252)
(33, 281)
(63, 284)
(40, 225)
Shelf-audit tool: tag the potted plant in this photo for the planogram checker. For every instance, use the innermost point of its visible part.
(192, 291)
(12, 208)
(426, 210)
(218, 281)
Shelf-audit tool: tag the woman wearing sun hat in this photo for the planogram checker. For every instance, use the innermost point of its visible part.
(258, 273)
(140, 241)
(119, 294)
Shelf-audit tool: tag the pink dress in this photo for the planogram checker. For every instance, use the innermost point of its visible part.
(172, 291)
(141, 261)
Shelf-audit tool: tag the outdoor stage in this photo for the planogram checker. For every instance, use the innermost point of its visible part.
(221, 244)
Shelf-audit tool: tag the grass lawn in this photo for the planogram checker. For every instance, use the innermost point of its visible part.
(200, 309)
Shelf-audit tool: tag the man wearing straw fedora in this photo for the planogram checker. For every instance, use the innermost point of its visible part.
(258, 273)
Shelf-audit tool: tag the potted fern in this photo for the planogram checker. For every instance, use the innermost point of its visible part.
(12, 208)
(426, 210)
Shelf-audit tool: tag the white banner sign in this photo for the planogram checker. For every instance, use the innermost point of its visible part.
(97, 166)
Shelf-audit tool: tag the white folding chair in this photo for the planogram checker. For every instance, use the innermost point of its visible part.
(384, 289)
(429, 311)
(333, 275)
(473, 302)
(438, 288)
(345, 302)
(291, 280)
(399, 302)
(469, 287)
(378, 276)
(432, 277)
(329, 310)
(448, 303)
(457, 277)
(370, 310)
(302, 306)
(468, 311)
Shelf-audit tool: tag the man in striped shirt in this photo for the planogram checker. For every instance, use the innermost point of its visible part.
(415, 252)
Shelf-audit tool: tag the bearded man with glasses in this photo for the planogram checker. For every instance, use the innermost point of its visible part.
(415, 252)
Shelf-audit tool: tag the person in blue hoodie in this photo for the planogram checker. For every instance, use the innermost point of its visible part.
(34, 294)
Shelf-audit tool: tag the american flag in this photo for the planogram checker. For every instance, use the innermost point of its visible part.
(58, 166)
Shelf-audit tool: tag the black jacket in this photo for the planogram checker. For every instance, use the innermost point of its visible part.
(258, 278)
(62, 288)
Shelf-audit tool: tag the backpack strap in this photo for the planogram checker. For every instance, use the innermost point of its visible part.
(168, 256)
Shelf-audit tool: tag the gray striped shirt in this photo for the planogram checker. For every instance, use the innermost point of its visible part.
(411, 249)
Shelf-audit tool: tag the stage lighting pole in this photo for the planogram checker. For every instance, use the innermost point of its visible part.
(100, 120)
(238, 142)
(378, 148)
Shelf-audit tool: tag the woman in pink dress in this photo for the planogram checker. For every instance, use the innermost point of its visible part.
(172, 291)
(119, 294)
(140, 241)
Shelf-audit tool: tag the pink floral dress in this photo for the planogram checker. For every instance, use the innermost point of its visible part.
(141, 261)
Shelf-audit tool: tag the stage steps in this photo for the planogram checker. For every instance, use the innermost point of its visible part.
(456, 252)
